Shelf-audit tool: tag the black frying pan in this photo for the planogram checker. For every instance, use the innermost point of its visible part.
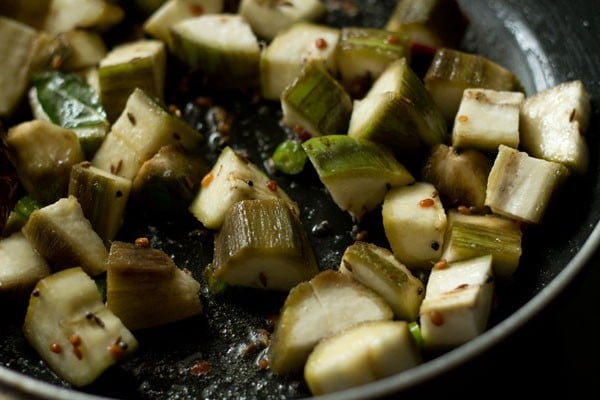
(543, 42)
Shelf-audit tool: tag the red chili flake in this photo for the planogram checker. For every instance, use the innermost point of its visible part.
(55, 348)
(173, 109)
(56, 62)
(425, 203)
(200, 368)
(301, 133)
(442, 264)
(116, 351)
(196, 9)
(464, 210)
(272, 185)
(362, 236)
(142, 243)
(75, 340)
(263, 363)
(263, 279)
(78, 353)
(208, 178)
(203, 101)
(392, 39)
(436, 318)
(463, 119)
(321, 43)
(272, 320)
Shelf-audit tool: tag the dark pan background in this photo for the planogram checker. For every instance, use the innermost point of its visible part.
(543, 334)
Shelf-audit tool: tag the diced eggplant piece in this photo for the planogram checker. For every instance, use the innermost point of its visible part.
(66, 15)
(268, 18)
(138, 65)
(313, 310)
(65, 238)
(398, 112)
(159, 23)
(77, 336)
(554, 123)
(283, 59)
(363, 54)
(486, 119)
(44, 154)
(68, 100)
(145, 288)
(472, 235)
(457, 303)
(357, 173)
(359, 355)
(262, 244)
(414, 221)
(453, 71)
(222, 47)
(103, 198)
(142, 129)
(168, 182)
(431, 23)
(83, 49)
(316, 102)
(377, 268)
(231, 179)
(459, 175)
(521, 187)
(21, 266)
(19, 43)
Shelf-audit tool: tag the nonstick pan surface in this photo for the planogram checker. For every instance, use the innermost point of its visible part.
(543, 42)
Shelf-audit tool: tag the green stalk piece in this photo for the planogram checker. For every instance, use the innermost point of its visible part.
(363, 54)
(168, 182)
(19, 215)
(262, 244)
(316, 102)
(398, 112)
(103, 198)
(65, 237)
(141, 130)
(73, 331)
(67, 100)
(44, 154)
(357, 173)
(377, 268)
(431, 23)
(222, 47)
(135, 65)
(473, 235)
(145, 288)
(453, 71)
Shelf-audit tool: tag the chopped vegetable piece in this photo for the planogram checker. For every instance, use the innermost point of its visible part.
(357, 173)
(262, 244)
(145, 288)
(457, 303)
(63, 236)
(377, 268)
(44, 154)
(87, 14)
(520, 186)
(21, 266)
(73, 331)
(359, 355)
(313, 310)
